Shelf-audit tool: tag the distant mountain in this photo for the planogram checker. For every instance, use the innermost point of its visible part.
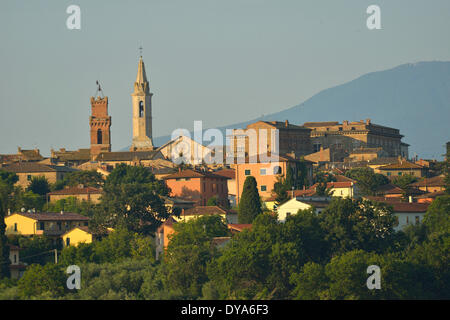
(414, 98)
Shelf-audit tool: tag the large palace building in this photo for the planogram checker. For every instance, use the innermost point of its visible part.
(360, 134)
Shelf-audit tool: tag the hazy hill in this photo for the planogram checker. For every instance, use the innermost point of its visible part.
(414, 98)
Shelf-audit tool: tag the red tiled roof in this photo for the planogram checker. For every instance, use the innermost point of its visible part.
(437, 181)
(431, 195)
(389, 189)
(229, 173)
(239, 227)
(401, 165)
(25, 167)
(409, 207)
(203, 210)
(51, 216)
(189, 173)
(76, 190)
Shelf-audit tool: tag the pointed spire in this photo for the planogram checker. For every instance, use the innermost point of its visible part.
(141, 76)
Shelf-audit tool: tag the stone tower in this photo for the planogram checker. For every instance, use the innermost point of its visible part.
(100, 124)
(142, 112)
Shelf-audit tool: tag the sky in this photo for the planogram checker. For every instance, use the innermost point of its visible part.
(219, 61)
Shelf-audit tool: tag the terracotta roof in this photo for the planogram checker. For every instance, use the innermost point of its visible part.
(189, 173)
(203, 210)
(341, 178)
(401, 165)
(303, 193)
(317, 204)
(285, 125)
(220, 240)
(437, 181)
(76, 190)
(342, 184)
(389, 189)
(321, 124)
(239, 227)
(229, 173)
(25, 167)
(431, 195)
(51, 216)
(409, 207)
(128, 155)
(79, 155)
(383, 199)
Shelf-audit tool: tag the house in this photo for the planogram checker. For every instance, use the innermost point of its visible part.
(390, 191)
(401, 168)
(185, 150)
(132, 158)
(70, 158)
(429, 197)
(22, 155)
(27, 170)
(177, 203)
(293, 205)
(76, 236)
(352, 135)
(236, 228)
(291, 138)
(408, 213)
(429, 185)
(198, 186)
(162, 236)
(81, 193)
(231, 183)
(366, 154)
(82, 234)
(43, 223)
(16, 268)
(228, 216)
(267, 174)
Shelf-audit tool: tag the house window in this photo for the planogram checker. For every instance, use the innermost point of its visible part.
(399, 173)
(29, 177)
(417, 220)
(59, 225)
(15, 258)
(263, 188)
(262, 172)
(247, 172)
(41, 225)
(277, 170)
(388, 174)
(288, 214)
(67, 241)
(15, 226)
(407, 220)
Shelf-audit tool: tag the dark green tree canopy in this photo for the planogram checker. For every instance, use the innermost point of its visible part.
(249, 203)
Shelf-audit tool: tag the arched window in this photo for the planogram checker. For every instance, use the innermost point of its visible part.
(141, 109)
(99, 137)
(277, 170)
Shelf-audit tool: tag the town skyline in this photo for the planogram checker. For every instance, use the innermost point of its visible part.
(261, 65)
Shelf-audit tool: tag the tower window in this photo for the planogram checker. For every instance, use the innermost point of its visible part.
(141, 109)
(99, 137)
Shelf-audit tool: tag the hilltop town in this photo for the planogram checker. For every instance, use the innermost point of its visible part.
(163, 201)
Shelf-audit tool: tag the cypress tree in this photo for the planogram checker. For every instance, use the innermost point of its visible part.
(249, 204)
(4, 249)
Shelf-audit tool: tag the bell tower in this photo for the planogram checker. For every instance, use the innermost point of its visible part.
(100, 124)
(142, 112)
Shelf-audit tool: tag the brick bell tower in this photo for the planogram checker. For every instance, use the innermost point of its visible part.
(100, 124)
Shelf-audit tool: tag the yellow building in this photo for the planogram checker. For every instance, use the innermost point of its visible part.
(89, 194)
(199, 211)
(43, 223)
(76, 236)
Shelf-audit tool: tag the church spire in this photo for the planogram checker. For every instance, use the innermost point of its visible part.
(141, 84)
(141, 76)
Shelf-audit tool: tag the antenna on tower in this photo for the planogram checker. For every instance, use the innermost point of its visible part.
(99, 89)
(140, 50)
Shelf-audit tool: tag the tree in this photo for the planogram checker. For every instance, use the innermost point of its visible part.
(310, 283)
(249, 204)
(437, 217)
(189, 251)
(212, 201)
(403, 181)
(38, 280)
(39, 185)
(7, 181)
(368, 181)
(322, 180)
(132, 197)
(87, 178)
(358, 224)
(280, 189)
(4, 248)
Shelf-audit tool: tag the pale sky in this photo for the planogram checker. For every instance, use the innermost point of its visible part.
(222, 62)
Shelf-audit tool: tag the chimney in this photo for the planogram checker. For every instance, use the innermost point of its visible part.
(179, 169)
(410, 199)
(345, 122)
(368, 121)
(286, 123)
(62, 212)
